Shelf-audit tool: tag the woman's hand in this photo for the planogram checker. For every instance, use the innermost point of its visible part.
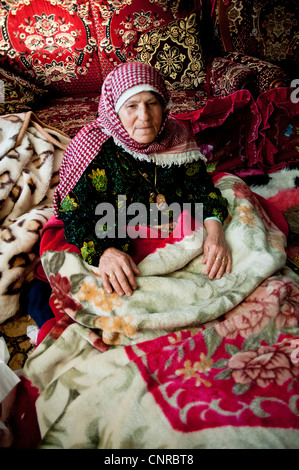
(217, 255)
(118, 271)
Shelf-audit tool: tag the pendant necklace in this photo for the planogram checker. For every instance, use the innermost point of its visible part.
(155, 196)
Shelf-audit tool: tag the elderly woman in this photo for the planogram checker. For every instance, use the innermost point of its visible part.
(135, 149)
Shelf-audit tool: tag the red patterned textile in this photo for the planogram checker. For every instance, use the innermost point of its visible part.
(187, 100)
(226, 130)
(227, 383)
(70, 114)
(265, 75)
(120, 24)
(53, 44)
(279, 130)
(239, 134)
(227, 76)
(267, 30)
(17, 94)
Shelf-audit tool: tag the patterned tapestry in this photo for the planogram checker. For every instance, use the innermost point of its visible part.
(119, 25)
(264, 29)
(55, 46)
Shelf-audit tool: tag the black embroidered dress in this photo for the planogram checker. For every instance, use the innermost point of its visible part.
(113, 174)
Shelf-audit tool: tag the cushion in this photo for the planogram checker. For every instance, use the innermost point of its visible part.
(227, 76)
(266, 75)
(187, 101)
(268, 30)
(17, 94)
(119, 25)
(51, 43)
(70, 113)
(175, 50)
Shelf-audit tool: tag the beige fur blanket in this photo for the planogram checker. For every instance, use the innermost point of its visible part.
(30, 157)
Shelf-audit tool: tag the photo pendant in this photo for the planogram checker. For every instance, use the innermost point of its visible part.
(161, 202)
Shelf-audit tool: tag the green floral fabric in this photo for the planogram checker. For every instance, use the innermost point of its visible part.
(114, 173)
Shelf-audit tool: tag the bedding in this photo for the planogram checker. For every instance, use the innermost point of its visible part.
(185, 362)
(29, 163)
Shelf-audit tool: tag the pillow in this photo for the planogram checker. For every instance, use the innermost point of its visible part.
(69, 113)
(266, 74)
(50, 43)
(227, 76)
(175, 50)
(119, 25)
(16, 94)
(265, 29)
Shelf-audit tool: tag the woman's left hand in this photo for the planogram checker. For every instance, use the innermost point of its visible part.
(217, 255)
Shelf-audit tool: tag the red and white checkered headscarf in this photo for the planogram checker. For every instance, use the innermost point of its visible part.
(173, 137)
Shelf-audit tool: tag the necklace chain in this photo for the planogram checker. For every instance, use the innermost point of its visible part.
(160, 198)
(145, 176)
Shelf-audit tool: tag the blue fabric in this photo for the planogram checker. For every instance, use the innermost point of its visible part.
(35, 299)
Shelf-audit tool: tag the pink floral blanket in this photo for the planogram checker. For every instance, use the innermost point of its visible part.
(185, 363)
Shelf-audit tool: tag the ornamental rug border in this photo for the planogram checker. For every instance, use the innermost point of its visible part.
(240, 372)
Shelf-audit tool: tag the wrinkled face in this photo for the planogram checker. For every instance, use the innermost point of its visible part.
(141, 115)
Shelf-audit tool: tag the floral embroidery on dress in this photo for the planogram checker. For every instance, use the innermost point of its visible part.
(217, 213)
(87, 250)
(99, 179)
(122, 185)
(68, 204)
(192, 168)
(125, 247)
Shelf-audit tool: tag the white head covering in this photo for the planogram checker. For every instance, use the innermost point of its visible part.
(131, 92)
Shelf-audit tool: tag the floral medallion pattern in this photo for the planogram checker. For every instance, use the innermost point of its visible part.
(52, 45)
(119, 25)
(176, 52)
(265, 29)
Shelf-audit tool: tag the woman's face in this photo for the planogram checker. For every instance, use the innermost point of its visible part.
(141, 115)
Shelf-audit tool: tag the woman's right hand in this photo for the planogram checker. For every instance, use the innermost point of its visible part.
(118, 271)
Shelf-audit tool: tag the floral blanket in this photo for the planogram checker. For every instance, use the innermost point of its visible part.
(30, 157)
(185, 362)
